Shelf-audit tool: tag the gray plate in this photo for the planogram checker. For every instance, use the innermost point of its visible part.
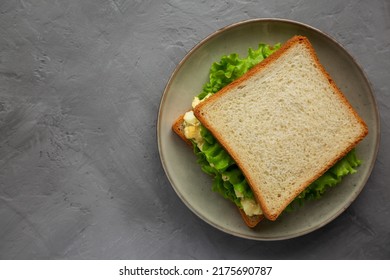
(179, 163)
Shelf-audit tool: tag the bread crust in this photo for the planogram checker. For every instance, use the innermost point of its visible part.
(262, 66)
(250, 221)
(178, 128)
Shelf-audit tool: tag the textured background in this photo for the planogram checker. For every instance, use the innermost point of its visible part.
(80, 86)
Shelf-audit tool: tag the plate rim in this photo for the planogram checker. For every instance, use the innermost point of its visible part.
(219, 31)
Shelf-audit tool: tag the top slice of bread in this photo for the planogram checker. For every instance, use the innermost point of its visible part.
(285, 122)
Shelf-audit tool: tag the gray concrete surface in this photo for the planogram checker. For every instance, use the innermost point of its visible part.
(80, 86)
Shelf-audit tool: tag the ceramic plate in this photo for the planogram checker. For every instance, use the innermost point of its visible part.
(179, 163)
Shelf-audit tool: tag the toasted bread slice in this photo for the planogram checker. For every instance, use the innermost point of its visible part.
(250, 221)
(285, 122)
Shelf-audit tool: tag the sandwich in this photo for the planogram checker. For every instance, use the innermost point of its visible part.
(278, 132)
